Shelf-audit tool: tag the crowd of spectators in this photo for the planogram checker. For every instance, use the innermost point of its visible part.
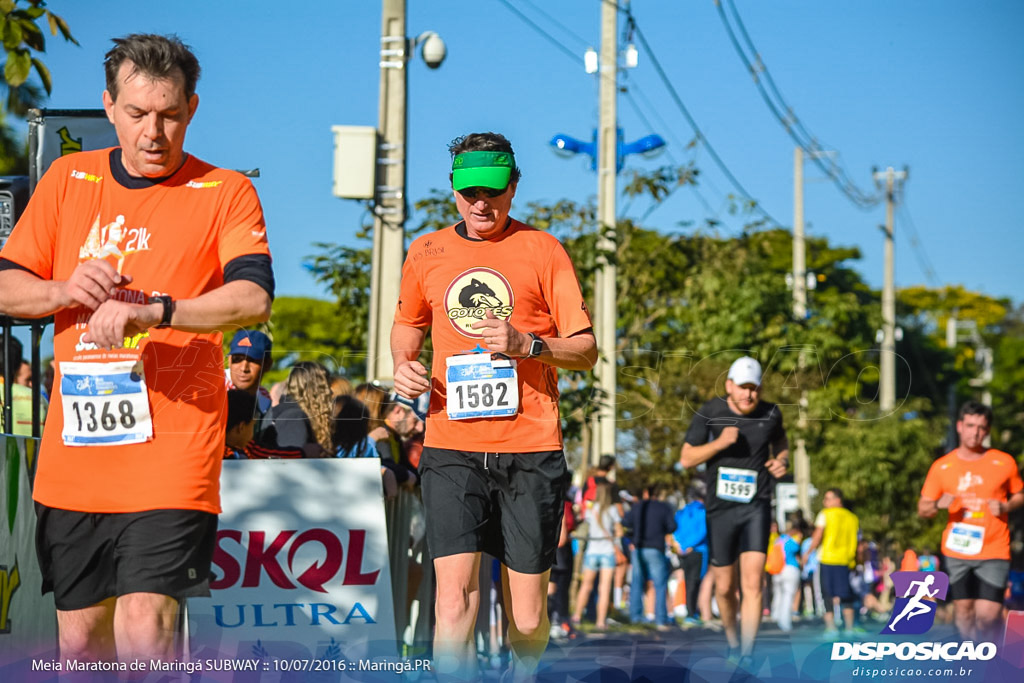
(313, 414)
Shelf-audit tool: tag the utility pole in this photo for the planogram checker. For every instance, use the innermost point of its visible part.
(603, 425)
(801, 463)
(887, 389)
(389, 200)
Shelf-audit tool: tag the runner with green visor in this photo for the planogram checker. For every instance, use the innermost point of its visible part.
(487, 170)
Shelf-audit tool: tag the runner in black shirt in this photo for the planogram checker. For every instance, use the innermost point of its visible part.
(743, 442)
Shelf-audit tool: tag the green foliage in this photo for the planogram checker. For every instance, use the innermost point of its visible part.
(880, 464)
(23, 41)
(690, 303)
(304, 328)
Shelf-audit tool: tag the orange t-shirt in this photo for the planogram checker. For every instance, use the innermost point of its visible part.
(993, 476)
(524, 276)
(173, 238)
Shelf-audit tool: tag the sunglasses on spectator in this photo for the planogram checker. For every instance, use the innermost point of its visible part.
(239, 357)
(489, 192)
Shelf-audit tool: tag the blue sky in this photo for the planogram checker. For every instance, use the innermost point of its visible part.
(936, 85)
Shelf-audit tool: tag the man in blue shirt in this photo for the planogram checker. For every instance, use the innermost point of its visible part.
(649, 521)
(691, 539)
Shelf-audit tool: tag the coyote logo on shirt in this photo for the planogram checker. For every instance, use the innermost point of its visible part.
(474, 292)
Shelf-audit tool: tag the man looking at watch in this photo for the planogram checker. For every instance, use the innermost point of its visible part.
(143, 253)
(504, 309)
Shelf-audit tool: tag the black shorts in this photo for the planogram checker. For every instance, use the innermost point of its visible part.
(737, 530)
(977, 579)
(87, 557)
(835, 583)
(508, 505)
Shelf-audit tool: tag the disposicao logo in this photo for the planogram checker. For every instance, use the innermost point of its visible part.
(913, 614)
(914, 611)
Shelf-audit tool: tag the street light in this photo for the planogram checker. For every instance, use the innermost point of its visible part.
(648, 145)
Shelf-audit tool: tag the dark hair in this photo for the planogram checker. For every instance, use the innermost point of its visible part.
(976, 408)
(351, 422)
(155, 56)
(838, 493)
(483, 142)
(606, 462)
(15, 357)
(241, 408)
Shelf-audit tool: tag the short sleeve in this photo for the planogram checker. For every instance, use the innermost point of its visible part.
(33, 241)
(413, 309)
(932, 488)
(244, 230)
(819, 521)
(1015, 483)
(698, 432)
(561, 289)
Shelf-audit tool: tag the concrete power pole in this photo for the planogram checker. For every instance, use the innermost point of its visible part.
(389, 204)
(801, 463)
(605, 283)
(887, 389)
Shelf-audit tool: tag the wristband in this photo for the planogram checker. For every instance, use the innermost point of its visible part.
(168, 304)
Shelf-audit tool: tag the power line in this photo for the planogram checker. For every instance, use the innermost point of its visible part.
(557, 22)
(693, 123)
(920, 255)
(785, 114)
(536, 27)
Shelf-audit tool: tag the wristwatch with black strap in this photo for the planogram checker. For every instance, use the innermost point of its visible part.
(168, 304)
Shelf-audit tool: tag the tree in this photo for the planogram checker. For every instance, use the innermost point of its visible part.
(691, 302)
(23, 41)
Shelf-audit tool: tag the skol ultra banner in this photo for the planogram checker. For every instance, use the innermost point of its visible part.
(301, 567)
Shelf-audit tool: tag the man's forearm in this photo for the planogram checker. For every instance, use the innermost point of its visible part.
(236, 304)
(691, 455)
(578, 352)
(406, 343)
(23, 295)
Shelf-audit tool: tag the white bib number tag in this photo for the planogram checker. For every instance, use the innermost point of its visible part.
(104, 404)
(966, 539)
(481, 387)
(736, 485)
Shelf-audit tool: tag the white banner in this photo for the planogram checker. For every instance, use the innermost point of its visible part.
(301, 570)
(28, 621)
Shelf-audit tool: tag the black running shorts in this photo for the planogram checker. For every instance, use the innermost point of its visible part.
(508, 505)
(87, 557)
(977, 579)
(737, 530)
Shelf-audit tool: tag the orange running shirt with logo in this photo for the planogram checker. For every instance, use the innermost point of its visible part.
(524, 276)
(175, 238)
(993, 476)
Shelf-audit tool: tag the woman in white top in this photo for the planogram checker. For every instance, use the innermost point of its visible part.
(603, 524)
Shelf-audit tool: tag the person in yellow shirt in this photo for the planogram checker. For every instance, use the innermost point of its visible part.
(21, 394)
(835, 532)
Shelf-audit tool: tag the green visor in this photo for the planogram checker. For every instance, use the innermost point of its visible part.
(482, 169)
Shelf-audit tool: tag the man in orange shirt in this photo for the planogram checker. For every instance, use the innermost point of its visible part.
(504, 309)
(142, 253)
(979, 486)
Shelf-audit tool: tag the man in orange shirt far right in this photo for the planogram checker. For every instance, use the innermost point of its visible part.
(979, 486)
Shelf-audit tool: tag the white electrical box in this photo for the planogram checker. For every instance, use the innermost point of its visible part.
(355, 161)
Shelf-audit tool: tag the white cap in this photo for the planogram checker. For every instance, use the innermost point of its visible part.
(745, 370)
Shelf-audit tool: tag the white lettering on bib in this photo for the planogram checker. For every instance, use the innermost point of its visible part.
(479, 386)
(966, 539)
(105, 404)
(736, 485)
